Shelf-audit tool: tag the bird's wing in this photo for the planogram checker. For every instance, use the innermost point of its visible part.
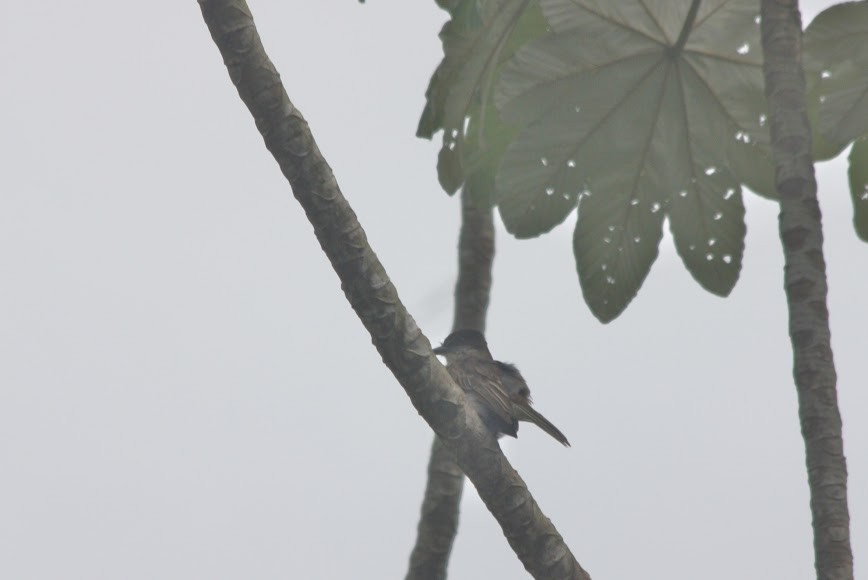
(484, 383)
(513, 383)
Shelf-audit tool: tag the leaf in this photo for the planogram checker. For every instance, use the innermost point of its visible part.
(471, 43)
(836, 61)
(448, 5)
(656, 109)
(457, 36)
(449, 171)
(707, 223)
(486, 140)
(481, 34)
(487, 136)
(612, 253)
(859, 187)
(821, 148)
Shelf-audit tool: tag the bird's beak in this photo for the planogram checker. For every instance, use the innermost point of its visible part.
(440, 350)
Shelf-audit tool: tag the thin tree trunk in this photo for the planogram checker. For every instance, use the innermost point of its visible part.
(438, 522)
(475, 259)
(805, 284)
(403, 347)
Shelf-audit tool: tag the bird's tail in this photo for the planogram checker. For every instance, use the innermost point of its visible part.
(527, 413)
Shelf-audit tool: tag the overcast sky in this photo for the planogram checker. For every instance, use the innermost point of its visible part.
(185, 392)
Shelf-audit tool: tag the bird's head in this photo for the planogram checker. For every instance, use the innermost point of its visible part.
(462, 341)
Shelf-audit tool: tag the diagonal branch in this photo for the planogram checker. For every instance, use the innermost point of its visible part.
(438, 522)
(403, 347)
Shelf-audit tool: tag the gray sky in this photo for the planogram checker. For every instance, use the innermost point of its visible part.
(185, 392)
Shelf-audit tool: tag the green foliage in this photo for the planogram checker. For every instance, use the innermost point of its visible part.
(836, 61)
(634, 118)
(629, 113)
(859, 186)
(476, 41)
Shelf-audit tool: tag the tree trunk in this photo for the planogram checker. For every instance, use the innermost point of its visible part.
(805, 284)
(438, 522)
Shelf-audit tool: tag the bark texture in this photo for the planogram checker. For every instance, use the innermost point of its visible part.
(806, 289)
(475, 259)
(438, 522)
(403, 347)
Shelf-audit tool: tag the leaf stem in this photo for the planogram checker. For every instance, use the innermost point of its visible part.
(685, 30)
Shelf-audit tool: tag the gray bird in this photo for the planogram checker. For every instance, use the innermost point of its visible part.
(497, 391)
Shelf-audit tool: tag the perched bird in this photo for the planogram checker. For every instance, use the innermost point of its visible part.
(497, 391)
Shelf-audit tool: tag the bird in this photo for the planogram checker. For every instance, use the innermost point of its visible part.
(496, 390)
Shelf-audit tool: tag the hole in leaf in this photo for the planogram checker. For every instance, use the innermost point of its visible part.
(742, 137)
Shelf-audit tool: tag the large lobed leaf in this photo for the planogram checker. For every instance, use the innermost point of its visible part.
(859, 187)
(633, 112)
(836, 66)
(476, 38)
